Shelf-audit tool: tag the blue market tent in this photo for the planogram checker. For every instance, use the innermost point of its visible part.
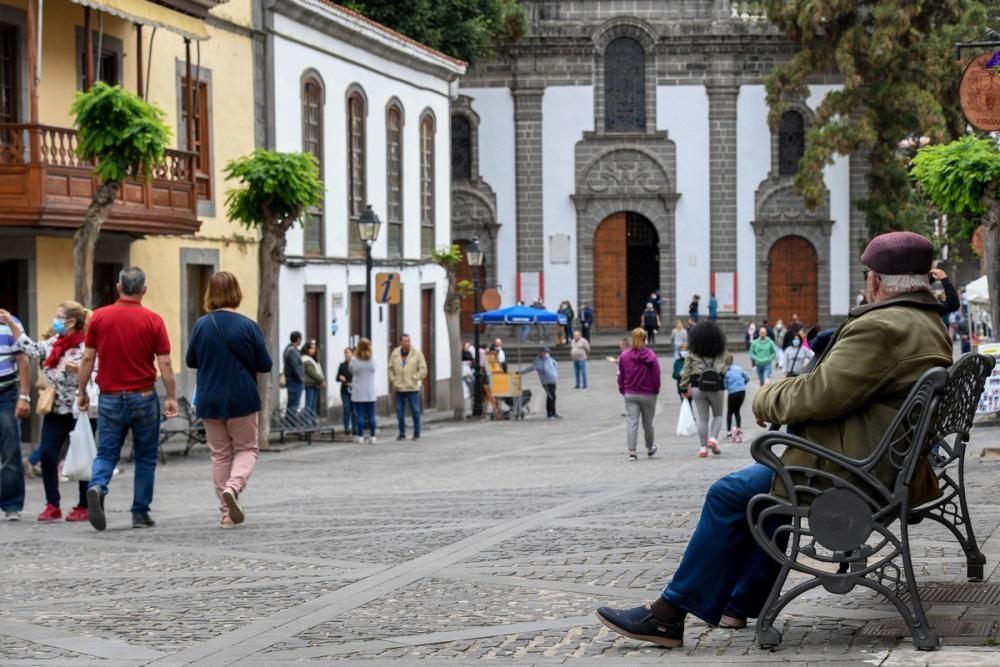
(519, 315)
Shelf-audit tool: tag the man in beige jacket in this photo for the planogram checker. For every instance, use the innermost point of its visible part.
(407, 370)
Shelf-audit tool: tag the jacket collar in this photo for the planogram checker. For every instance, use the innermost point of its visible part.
(920, 299)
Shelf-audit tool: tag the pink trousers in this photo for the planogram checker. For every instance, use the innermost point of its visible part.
(233, 443)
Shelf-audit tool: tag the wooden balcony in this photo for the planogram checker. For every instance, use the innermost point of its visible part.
(44, 184)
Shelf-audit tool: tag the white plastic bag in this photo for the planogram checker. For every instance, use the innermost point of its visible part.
(82, 451)
(686, 425)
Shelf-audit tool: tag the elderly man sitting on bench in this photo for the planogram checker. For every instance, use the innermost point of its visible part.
(844, 403)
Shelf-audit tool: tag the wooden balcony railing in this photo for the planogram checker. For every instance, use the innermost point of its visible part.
(44, 183)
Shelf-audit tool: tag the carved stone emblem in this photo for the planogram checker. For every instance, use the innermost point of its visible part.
(625, 172)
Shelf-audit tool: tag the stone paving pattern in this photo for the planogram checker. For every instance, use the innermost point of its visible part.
(484, 541)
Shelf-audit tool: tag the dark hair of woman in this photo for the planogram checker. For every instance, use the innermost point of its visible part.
(706, 340)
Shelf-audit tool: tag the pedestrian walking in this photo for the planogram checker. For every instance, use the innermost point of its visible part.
(407, 370)
(639, 384)
(713, 307)
(580, 352)
(763, 352)
(694, 307)
(228, 350)
(702, 378)
(678, 369)
(751, 334)
(736, 390)
(797, 356)
(295, 373)
(548, 375)
(654, 298)
(344, 378)
(315, 380)
(678, 337)
(500, 353)
(650, 323)
(15, 404)
(779, 334)
(586, 320)
(128, 338)
(62, 354)
(566, 309)
(363, 367)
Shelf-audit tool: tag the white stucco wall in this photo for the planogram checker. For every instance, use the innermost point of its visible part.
(495, 107)
(340, 65)
(753, 148)
(563, 126)
(838, 181)
(683, 112)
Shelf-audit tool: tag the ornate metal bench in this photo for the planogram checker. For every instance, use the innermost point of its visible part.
(843, 533)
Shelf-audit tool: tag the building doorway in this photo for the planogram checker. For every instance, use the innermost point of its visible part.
(14, 297)
(792, 281)
(427, 341)
(626, 269)
(315, 320)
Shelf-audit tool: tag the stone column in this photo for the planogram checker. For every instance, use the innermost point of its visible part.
(858, 232)
(722, 175)
(528, 165)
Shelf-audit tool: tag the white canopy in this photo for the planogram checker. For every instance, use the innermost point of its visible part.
(978, 291)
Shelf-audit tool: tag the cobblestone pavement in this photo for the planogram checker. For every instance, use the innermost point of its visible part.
(484, 541)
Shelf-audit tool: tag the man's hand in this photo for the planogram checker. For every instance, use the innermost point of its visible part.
(938, 274)
(761, 423)
(22, 409)
(170, 408)
(83, 401)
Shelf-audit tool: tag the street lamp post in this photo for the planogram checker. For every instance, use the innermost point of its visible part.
(368, 227)
(475, 257)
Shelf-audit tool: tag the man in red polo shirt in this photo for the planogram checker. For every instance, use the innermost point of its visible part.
(127, 338)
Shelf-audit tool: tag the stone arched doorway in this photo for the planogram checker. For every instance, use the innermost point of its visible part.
(792, 281)
(626, 269)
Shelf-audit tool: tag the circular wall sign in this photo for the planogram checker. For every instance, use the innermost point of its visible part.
(979, 95)
(490, 299)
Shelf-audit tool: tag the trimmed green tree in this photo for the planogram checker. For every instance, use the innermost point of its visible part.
(466, 29)
(900, 81)
(125, 137)
(449, 259)
(961, 179)
(274, 191)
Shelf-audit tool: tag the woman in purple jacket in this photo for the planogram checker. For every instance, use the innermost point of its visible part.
(639, 383)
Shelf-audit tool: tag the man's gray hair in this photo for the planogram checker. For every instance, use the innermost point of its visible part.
(903, 283)
(133, 281)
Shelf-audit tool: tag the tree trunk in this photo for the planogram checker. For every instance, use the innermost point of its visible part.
(991, 245)
(457, 387)
(85, 241)
(271, 253)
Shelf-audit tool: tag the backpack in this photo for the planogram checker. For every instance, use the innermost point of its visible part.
(710, 379)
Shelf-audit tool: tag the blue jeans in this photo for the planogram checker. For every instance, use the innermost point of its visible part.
(312, 401)
(116, 414)
(763, 373)
(294, 397)
(11, 467)
(413, 398)
(364, 413)
(345, 399)
(723, 567)
(580, 371)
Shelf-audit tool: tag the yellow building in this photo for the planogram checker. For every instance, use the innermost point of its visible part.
(175, 227)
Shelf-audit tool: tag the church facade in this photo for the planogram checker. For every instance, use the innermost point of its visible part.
(622, 147)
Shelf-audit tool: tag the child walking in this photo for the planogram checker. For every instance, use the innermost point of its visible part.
(736, 387)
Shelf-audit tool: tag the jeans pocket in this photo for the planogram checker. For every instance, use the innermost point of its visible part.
(146, 412)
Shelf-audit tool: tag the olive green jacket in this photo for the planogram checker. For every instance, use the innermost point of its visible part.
(848, 400)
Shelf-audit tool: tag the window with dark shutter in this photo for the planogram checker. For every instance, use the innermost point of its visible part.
(394, 179)
(461, 148)
(312, 143)
(624, 86)
(356, 192)
(791, 142)
(426, 186)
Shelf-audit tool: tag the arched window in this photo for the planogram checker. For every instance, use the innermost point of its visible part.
(312, 143)
(356, 186)
(394, 178)
(624, 86)
(791, 142)
(426, 185)
(461, 148)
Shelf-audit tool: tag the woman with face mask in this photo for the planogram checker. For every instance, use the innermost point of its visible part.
(62, 353)
(797, 356)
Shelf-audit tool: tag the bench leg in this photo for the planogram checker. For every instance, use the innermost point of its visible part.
(767, 635)
(952, 512)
